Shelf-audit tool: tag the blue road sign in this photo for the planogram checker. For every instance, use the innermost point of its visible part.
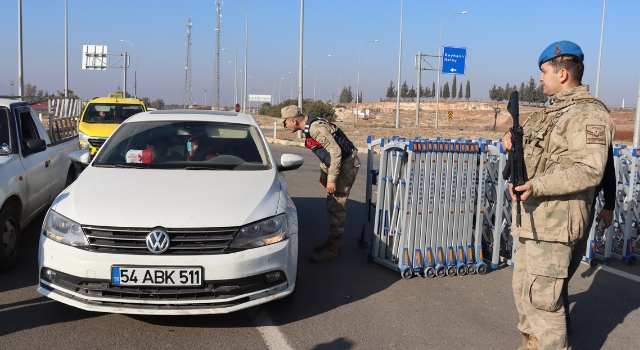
(454, 60)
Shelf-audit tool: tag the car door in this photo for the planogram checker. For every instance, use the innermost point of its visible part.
(38, 174)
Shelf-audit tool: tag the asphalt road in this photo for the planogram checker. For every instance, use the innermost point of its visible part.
(346, 304)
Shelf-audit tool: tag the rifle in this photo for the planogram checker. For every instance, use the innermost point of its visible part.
(515, 170)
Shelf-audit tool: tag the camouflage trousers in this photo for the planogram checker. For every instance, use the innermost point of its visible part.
(337, 201)
(538, 275)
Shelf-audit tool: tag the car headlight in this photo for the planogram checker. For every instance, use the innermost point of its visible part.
(82, 136)
(63, 230)
(261, 233)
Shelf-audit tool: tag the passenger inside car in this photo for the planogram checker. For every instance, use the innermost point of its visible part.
(160, 144)
(197, 149)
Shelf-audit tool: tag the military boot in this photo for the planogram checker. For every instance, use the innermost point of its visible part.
(529, 342)
(329, 253)
(320, 247)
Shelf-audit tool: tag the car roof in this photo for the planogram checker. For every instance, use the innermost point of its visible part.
(116, 100)
(193, 115)
(7, 101)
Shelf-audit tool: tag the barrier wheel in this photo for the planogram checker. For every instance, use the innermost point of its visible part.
(471, 269)
(593, 262)
(631, 261)
(482, 269)
(441, 272)
(462, 270)
(430, 272)
(406, 273)
(451, 271)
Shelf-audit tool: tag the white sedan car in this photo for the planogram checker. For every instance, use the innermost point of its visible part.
(180, 212)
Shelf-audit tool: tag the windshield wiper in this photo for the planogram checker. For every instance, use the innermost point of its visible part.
(199, 168)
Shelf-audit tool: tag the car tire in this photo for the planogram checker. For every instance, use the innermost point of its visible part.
(9, 238)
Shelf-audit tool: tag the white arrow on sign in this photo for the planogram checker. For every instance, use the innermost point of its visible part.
(453, 69)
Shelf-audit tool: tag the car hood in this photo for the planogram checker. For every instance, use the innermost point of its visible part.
(98, 129)
(147, 198)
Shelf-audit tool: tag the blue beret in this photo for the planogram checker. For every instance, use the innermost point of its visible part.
(560, 48)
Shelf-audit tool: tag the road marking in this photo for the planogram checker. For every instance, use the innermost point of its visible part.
(617, 272)
(271, 334)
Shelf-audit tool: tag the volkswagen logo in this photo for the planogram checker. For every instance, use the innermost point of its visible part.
(158, 241)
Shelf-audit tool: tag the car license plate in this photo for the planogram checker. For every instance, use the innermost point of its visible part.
(156, 276)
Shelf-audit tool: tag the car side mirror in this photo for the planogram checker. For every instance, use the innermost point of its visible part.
(35, 146)
(290, 162)
(81, 157)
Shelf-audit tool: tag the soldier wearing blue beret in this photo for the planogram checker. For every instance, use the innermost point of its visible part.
(565, 152)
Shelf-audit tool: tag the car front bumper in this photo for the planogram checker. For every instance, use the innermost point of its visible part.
(232, 281)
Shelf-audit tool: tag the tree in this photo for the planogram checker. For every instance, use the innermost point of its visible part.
(360, 97)
(412, 93)
(445, 91)
(467, 93)
(531, 90)
(391, 91)
(404, 90)
(145, 100)
(433, 89)
(346, 96)
(493, 93)
(501, 94)
(521, 92)
(454, 87)
(159, 103)
(460, 92)
(426, 93)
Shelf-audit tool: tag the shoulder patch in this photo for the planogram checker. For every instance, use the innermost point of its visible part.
(595, 134)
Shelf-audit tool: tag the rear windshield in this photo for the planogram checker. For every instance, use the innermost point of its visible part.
(194, 145)
(110, 113)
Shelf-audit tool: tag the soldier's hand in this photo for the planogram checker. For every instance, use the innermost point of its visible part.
(526, 191)
(607, 216)
(331, 187)
(323, 181)
(506, 141)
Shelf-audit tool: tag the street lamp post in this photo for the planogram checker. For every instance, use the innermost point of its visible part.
(235, 69)
(291, 93)
(246, 53)
(399, 70)
(358, 86)
(135, 72)
(440, 63)
(205, 97)
(316, 76)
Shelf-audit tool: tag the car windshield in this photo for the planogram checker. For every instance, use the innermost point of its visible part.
(193, 145)
(110, 113)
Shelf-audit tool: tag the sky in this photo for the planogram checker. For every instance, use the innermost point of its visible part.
(504, 39)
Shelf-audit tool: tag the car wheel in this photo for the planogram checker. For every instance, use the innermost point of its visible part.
(9, 238)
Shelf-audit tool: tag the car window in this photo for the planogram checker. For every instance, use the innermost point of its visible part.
(5, 140)
(110, 113)
(195, 145)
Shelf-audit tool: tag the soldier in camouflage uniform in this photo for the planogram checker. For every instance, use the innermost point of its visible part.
(338, 169)
(565, 152)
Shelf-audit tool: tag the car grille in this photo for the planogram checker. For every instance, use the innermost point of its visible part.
(183, 241)
(97, 143)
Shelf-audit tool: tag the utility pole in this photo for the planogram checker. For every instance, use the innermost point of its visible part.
(216, 64)
(187, 95)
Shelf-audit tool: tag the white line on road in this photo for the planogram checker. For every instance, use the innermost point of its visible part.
(618, 272)
(272, 336)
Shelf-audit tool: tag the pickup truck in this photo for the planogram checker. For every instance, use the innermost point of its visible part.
(34, 168)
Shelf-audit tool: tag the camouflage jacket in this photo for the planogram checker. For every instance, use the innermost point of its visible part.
(565, 152)
(322, 132)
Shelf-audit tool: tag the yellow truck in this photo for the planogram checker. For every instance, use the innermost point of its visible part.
(102, 116)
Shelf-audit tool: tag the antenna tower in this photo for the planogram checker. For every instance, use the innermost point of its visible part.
(187, 96)
(216, 64)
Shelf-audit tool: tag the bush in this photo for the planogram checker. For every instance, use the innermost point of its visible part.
(309, 108)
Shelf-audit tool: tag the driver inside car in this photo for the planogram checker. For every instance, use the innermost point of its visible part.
(196, 143)
(160, 147)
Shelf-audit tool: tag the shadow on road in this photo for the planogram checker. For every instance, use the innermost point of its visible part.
(599, 310)
(338, 344)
